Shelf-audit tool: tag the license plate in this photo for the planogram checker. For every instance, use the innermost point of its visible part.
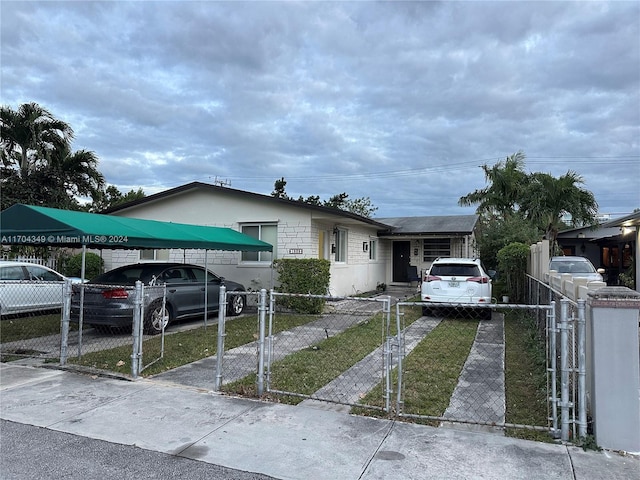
(454, 284)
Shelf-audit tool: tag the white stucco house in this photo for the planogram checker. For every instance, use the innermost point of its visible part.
(364, 252)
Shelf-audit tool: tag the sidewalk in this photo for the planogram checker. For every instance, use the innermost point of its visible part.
(283, 441)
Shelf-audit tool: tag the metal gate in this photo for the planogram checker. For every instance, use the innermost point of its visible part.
(448, 367)
(459, 372)
(341, 356)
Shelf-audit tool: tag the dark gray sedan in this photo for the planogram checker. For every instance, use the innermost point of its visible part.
(108, 298)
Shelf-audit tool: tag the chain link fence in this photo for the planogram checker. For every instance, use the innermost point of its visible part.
(457, 366)
(522, 368)
(338, 356)
(30, 319)
(341, 349)
(454, 365)
(566, 354)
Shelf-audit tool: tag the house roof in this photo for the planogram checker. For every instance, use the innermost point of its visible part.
(628, 221)
(437, 225)
(30, 225)
(328, 211)
(588, 233)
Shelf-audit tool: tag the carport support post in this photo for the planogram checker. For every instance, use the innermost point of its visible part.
(66, 315)
(222, 308)
(206, 289)
(262, 311)
(81, 313)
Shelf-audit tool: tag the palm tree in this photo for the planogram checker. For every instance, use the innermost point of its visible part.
(501, 197)
(77, 172)
(38, 166)
(547, 199)
(29, 135)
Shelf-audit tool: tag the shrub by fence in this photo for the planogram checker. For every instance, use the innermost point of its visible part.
(306, 276)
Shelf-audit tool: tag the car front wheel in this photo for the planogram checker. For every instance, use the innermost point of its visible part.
(156, 318)
(235, 305)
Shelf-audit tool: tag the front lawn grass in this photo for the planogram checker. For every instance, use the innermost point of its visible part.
(187, 346)
(31, 326)
(431, 370)
(525, 377)
(306, 371)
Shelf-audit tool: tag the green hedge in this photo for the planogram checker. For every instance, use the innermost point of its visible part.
(512, 265)
(94, 266)
(307, 276)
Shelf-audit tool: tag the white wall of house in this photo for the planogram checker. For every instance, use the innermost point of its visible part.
(360, 273)
(298, 236)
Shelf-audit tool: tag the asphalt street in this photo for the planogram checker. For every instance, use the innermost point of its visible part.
(30, 452)
(58, 424)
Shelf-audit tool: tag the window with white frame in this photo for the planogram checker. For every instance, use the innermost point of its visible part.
(373, 249)
(341, 245)
(433, 248)
(267, 232)
(161, 255)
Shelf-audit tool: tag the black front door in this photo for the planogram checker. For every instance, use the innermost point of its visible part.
(401, 260)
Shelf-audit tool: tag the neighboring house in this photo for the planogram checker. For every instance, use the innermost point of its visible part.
(417, 241)
(364, 252)
(610, 246)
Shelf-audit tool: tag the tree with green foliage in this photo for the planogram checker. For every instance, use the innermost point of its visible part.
(76, 172)
(512, 266)
(38, 166)
(93, 266)
(29, 135)
(495, 233)
(501, 198)
(112, 197)
(279, 189)
(303, 276)
(310, 200)
(360, 206)
(513, 197)
(546, 200)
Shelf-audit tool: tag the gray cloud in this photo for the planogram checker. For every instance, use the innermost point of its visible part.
(397, 101)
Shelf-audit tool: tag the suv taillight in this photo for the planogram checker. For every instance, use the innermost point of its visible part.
(431, 278)
(478, 279)
(115, 293)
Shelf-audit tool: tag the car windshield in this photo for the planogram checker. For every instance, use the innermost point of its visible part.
(455, 270)
(572, 267)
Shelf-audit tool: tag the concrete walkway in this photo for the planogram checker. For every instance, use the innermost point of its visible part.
(349, 387)
(282, 441)
(479, 395)
(242, 361)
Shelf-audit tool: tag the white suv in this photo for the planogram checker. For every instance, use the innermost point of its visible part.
(456, 280)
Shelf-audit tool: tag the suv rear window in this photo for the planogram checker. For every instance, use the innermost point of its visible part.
(455, 270)
(126, 276)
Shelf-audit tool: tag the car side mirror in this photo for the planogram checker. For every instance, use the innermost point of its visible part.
(601, 271)
(492, 274)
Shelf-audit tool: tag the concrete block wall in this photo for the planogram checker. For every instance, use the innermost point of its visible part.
(613, 367)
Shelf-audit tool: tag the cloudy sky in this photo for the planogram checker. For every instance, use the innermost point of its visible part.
(400, 102)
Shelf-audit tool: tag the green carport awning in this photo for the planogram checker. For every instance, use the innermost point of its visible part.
(30, 225)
